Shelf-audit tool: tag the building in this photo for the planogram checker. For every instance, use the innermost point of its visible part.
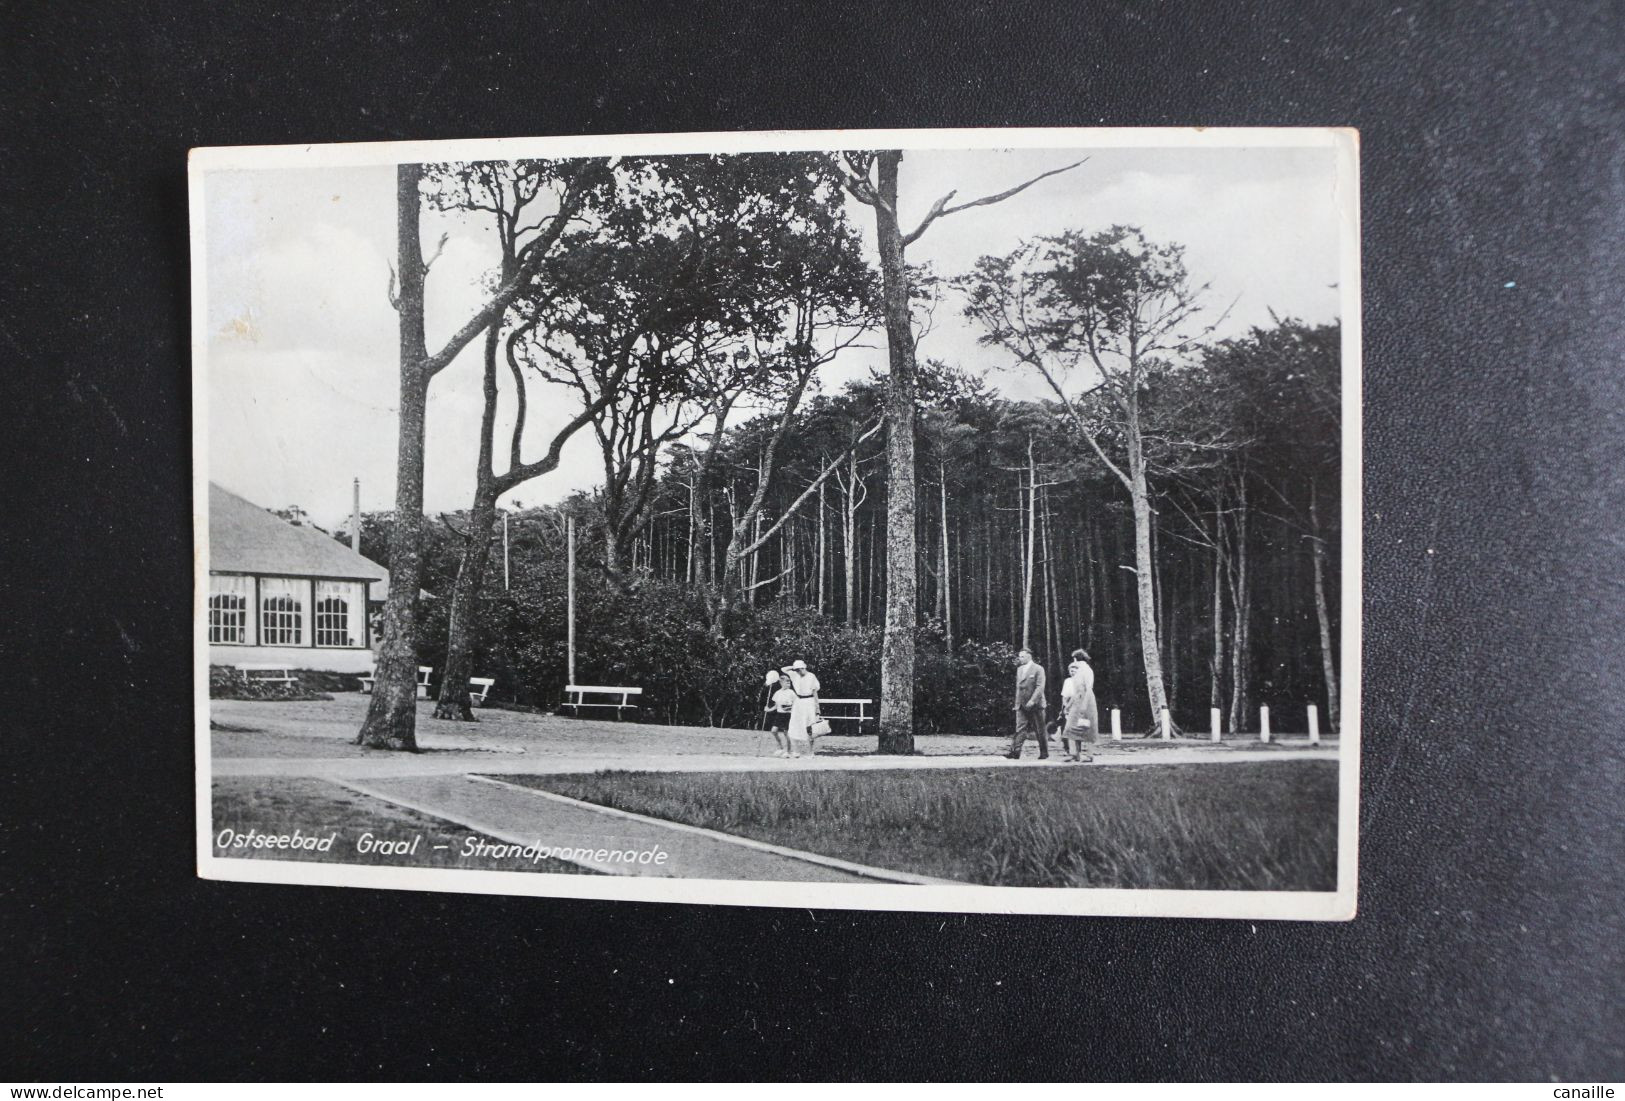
(286, 593)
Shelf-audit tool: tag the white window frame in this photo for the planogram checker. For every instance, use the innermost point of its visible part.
(223, 587)
(276, 624)
(351, 621)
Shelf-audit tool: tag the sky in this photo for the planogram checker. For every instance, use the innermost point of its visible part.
(301, 366)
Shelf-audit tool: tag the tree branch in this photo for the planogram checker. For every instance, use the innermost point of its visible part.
(438, 249)
(782, 574)
(941, 208)
(808, 492)
(532, 257)
(519, 473)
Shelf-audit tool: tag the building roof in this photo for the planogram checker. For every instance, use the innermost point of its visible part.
(244, 538)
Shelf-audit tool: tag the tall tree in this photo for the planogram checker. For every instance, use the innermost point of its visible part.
(871, 179)
(391, 721)
(509, 195)
(1287, 382)
(827, 298)
(773, 248)
(950, 441)
(1119, 311)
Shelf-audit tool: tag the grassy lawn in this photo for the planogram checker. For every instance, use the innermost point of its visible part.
(278, 806)
(1244, 826)
(231, 740)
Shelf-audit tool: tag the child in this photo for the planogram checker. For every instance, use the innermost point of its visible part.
(778, 715)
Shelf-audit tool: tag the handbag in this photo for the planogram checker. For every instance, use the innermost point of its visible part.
(819, 727)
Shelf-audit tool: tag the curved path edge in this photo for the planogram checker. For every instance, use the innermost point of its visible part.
(867, 871)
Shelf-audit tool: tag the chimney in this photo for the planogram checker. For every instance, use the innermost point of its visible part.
(355, 517)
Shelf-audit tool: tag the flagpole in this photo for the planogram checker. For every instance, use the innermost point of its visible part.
(570, 589)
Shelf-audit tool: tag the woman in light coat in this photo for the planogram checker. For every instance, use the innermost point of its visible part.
(805, 711)
(1080, 714)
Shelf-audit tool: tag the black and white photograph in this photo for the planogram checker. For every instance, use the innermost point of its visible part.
(598, 543)
(959, 520)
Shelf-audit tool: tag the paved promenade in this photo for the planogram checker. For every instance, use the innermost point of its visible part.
(458, 777)
(455, 763)
(600, 835)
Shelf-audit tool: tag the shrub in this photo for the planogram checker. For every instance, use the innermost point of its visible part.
(227, 683)
(657, 636)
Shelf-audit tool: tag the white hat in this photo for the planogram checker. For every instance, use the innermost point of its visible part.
(772, 677)
(799, 666)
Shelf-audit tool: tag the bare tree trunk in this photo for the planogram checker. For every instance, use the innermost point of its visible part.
(938, 608)
(947, 564)
(1109, 582)
(902, 558)
(1093, 565)
(1216, 668)
(1150, 650)
(873, 582)
(612, 553)
(391, 721)
(1328, 660)
(1032, 527)
(822, 517)
(849, 535)
(708, 547)
(1076, 613)
(454, 701)
(787, 562)
(987, 577)
(1166, 652)
(1170, 639)
(752, 567)
(1056, 645)
(897, 648)
(1241, 603)
(1011, 611)
(706, 519)
(693, 532)
(755, 534)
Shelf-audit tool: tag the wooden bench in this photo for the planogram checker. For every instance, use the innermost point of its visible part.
(423, 681)
(859, 716)
(575, 698)
(268, 674)
(479, 688)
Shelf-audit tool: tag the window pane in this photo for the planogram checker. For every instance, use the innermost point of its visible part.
(228, 609)
(282, 611)
(338, 613)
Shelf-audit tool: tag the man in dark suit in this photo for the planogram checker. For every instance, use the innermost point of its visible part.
(1029, 706)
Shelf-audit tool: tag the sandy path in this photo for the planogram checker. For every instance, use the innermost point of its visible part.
(525, 817)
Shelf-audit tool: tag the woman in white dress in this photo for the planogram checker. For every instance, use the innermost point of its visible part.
(805, 710)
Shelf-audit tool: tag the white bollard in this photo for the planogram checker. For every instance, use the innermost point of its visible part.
(1264, 723)
(1164, 720)
(1117, 725)
(1213, 721)
(1314, 725)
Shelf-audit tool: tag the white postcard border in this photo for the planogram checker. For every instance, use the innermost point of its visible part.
(1338, 905)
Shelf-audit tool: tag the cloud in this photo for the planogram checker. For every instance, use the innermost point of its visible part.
(324, 286)
(302, 354)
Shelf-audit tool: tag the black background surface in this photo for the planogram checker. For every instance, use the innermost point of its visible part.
(1489, 941)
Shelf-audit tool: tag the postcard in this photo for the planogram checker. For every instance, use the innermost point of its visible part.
(941, 520)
